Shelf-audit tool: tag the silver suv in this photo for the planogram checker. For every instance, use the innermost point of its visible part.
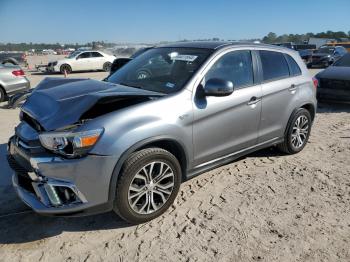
(86, 146)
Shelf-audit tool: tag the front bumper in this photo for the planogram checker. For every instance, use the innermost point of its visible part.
(51, 185)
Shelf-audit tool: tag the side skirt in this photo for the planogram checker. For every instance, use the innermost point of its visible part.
(205, 167)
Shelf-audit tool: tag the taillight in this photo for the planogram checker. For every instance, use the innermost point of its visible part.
(18, 72)
(315, 80)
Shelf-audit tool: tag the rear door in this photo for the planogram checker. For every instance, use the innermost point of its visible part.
(97, 60)
(223, 125)
(279, 92)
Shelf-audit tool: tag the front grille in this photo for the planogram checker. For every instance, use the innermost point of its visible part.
(15, 166)
(23, 178)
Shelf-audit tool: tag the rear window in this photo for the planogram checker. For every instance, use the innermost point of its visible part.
(274, 65)
(294, 68)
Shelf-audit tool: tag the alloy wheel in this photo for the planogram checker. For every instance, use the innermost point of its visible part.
(151, 187)
(300, 131)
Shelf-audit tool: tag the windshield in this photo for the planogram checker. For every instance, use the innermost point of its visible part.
(75, 53)
(325, 50)
(164, 70)
(344, 61)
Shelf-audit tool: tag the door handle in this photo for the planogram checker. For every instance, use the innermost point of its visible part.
(292, 88)
(253, 100)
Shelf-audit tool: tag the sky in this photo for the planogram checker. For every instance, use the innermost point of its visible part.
(148, 21)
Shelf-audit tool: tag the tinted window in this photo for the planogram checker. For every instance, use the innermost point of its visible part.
(294, 68)
(235, 67)
(84, 55)
(274, 65)
(96, 54)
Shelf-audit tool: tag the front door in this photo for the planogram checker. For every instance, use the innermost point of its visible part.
(224, 125)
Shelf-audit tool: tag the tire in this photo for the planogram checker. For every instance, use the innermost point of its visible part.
(107, 66)
(291, 143)
(65, 67)
(3, 95)
(132, 202)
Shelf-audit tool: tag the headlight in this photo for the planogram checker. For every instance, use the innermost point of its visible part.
(70, 144)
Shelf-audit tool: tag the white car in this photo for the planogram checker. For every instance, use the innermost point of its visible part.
(82, 61)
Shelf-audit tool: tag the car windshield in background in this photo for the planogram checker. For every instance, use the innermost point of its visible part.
(325, 50)
(73, 54)
(344, 61)
(164, 70)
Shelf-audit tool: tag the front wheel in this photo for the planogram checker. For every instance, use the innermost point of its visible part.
(297, 133)
(148, 184)
(65, 69)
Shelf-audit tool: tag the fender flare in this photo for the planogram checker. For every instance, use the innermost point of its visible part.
(294, 112)
(126, 154)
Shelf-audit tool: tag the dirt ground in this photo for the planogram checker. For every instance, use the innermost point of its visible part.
(264, 207)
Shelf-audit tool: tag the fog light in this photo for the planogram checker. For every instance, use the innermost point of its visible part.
(52, 194)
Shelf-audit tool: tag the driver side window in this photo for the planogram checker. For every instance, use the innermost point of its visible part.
(236, 67)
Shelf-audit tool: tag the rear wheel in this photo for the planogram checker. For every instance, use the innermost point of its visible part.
(107, 66)
(298, 132)
(148, 184)
(65, 68)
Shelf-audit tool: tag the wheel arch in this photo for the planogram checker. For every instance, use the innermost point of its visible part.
(311, 108)
(167, 143)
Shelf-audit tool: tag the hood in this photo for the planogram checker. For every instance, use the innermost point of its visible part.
(335, 72)
(58, 102)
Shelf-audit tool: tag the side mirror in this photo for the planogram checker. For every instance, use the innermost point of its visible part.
(77, 58)
(218, 87)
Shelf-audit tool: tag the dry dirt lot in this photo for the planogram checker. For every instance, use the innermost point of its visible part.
(264, 207)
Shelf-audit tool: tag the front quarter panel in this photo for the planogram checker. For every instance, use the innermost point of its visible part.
(165, 118)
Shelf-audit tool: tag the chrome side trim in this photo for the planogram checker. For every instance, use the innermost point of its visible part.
(236, 153)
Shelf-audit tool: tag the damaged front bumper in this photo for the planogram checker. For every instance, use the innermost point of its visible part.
(52, 185)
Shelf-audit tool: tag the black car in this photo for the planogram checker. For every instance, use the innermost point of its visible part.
(12, 58)
(326, 56)
(119, 62)
(306, 55)
(334, 82)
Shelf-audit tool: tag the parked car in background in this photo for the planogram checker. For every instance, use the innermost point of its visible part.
(326, 55)
(334, 82)
(346, 45)
(12, 81)
(85, 146)
(306, 55)
(12, 58)
(119, 62)
(82, 61)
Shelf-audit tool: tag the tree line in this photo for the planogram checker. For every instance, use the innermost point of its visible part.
(301, 38)
(269, 38)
